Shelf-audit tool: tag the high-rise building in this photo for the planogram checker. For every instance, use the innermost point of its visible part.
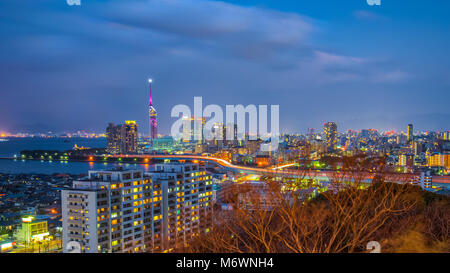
(187, 202)
(129, 211)
(152, 116)
(330, 132)
(217, 134)
(129, 137)
(401, 139)
(113, 138)
(193, 129)
(198, 129)
(231, 134)
(107, 212)
(122, 138)
(187, 129)
(410, 134)
(417, 147)
(406, 160)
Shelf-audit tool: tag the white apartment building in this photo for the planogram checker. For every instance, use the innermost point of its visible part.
(186, 202)
(129, 211)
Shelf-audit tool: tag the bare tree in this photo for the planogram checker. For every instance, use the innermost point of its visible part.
(281, 216)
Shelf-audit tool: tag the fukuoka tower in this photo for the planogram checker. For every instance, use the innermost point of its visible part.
(152, 115)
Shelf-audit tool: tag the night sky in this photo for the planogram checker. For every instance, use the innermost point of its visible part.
(67, 68)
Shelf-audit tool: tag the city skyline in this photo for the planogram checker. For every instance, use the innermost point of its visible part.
(237, 128)
(360, 66)
(101, 133)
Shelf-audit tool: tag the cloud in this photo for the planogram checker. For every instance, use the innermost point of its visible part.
(92, 61)
(391, 77)
(325, 58)
(245, 32)
(368, 15)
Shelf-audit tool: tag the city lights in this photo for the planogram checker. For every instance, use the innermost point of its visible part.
(273, 127)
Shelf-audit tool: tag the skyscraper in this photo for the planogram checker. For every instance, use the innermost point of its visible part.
(197, 133)
(218, 134)
(113, 138)
(193, 129)
(152, 116)
(129, 137)
(410, 132)
(330, 132)
(231, 134)
(122, 138)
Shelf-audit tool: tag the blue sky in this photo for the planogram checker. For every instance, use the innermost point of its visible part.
(69, 68)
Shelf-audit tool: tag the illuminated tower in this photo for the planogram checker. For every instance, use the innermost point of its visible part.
(152, 114)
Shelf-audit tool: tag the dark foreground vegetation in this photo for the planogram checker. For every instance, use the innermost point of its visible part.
(401, 217)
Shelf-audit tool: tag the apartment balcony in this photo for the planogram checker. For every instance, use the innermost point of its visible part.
(71, 199)
(76, 214)
(75, 207)
(75, 222)
(76, 236)
(127, 221)
(75, 229)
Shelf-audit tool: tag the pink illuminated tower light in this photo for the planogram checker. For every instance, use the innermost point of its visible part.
(152, 114)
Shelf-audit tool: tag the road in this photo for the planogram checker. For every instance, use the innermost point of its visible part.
(279, 170)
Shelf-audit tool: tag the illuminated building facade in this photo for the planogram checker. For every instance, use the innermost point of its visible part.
(32, 230)
(129, 211)
(122, 138)
(110, 211)
(129, 137)
(330, 133)
(263, 160)
(113, 138)
(417, 147)
(187, 202)
(406, 160)
(439, 160)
